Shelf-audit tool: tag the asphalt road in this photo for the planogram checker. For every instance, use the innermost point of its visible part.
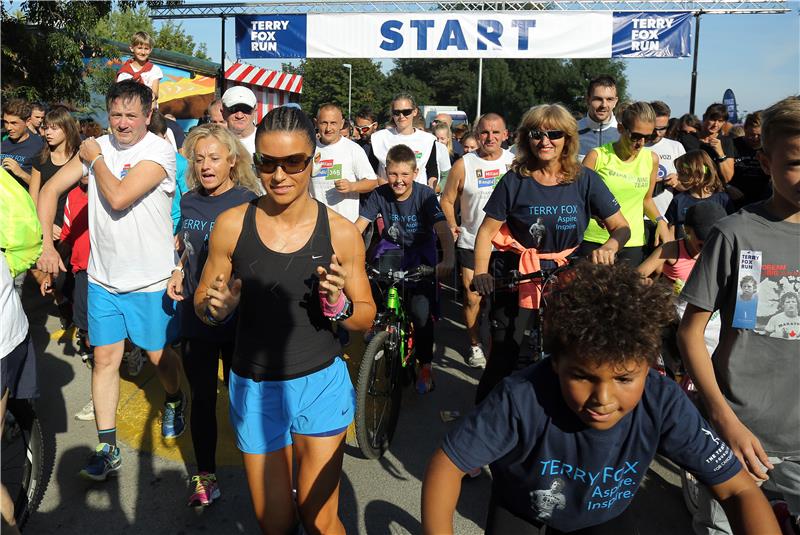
(149, 495)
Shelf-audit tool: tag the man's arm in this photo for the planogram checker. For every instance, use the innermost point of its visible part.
(441, 488)
(349, 249)
(452, 190)
(362, 223)
(363, 185)
(746, 506)
(66, 177)
(445, 267)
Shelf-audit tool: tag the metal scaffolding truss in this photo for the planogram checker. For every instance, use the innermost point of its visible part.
(289, 7)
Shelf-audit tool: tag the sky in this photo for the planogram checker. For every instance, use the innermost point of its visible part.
(758, 56)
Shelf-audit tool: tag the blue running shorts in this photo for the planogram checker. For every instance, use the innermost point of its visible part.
(265, 414)
(148, 319)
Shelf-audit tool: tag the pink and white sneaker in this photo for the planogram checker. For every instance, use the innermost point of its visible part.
(206, 490)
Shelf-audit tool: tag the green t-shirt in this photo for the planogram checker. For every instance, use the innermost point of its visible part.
(629, 183)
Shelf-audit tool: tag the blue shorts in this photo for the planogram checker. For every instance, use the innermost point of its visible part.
(265, 414)
(148, 319)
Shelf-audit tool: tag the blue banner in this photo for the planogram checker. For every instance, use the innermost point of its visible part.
(729, 99)
(271, 36)
(651, 35)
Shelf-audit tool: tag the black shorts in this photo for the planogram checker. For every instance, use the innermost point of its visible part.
(79, 299)
(466, 258)
(18, 373)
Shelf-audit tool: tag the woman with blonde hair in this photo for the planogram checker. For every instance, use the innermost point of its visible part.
(537, 215)
(220, 176)
(445, 136)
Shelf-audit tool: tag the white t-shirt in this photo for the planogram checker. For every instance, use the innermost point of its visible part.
(13, 322)
(133, 249)
(480, 178)
(420, 141)
(342, 159)
(443, 161)
(668, 151)
(249, 143)
(148, 77)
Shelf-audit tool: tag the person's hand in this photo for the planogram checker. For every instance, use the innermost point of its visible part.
(456, 231)
(331, 282)
(671, 180)
(89, 150)
(647, 281)
(46, 286)
(56, 232)
(344, 186)
(482, 283)
(716, 144)
(444, 269)
(12, 166)
(603, 255)
(221, 299)
(175, 285)
(50, 261)
(746, 447)
(662, 233)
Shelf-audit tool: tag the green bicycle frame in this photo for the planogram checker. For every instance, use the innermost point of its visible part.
(393, 304)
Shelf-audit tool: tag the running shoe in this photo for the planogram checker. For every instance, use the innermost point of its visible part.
(206, 490)
(86, 414)
(173, 424)
(105, 460)
(476, 357)
(135, 360)
(425, 382)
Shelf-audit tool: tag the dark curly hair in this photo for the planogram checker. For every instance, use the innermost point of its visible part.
(606, 315)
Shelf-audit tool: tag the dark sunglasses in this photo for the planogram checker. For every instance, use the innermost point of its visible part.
(661, 128)
(537, 135)
(636, 136)
(405, 113)
(293, 164)
(244, 108)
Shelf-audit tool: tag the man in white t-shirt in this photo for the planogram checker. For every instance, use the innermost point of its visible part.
(239, 112)
(131, 185)
(472, 179)
(341, 169)
(668, 151)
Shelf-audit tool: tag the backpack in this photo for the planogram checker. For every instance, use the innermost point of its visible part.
(20, 231)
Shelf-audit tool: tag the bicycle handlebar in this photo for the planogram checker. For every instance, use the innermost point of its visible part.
(515, 278)
(412, 275)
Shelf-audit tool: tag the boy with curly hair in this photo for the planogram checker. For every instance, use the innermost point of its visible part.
(569, 439)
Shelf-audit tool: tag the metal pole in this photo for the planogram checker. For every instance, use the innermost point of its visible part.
(696, 50)
(221, 76)
(480, 86)
(349, 68)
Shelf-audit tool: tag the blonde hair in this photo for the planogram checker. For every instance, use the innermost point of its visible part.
(548, 117)
(629, 112)
(142, 38)
(242, 172)
(445, 128)
(781, 120)
(696, 172)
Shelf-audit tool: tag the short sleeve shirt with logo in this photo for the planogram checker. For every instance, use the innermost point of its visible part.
(480, 178)
(668, 150)
(343, 159)
(23, 152)
(421, 142)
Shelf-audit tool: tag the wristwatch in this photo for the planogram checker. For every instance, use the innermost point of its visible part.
(720, 159)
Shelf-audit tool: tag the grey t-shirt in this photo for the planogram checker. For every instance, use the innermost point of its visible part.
(750, 271)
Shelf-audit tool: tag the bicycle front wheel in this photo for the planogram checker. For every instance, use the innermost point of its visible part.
(378, 396)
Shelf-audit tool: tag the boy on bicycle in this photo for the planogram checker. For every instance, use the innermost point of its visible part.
(412, 215)
(749, 386)
(570, 438)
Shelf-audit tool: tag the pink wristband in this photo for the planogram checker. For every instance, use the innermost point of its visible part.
(332, 310)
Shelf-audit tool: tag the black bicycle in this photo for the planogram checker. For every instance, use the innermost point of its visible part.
(388, 363)
(28, 457)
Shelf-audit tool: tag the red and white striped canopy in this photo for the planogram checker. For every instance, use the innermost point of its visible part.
(250, 74)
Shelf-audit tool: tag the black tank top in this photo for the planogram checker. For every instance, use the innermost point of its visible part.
(282, 333)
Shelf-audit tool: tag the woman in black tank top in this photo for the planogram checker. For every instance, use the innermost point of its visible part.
(291, 267)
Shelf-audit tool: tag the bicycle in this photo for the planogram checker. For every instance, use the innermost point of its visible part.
(388, 355)
(28, 458)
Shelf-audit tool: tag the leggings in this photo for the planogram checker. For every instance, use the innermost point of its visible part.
(201, 363)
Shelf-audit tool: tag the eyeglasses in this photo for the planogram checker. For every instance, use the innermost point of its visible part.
(292, 165)
(405, 112)
(661, 128)
(552, 135)
(236, 108)
(364, 129)
(636, 136)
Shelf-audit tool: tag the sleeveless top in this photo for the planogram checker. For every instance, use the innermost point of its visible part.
(628, 182)
(682, 267)
(480, 178)
(282, 333)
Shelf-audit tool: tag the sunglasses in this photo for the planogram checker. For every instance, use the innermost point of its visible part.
(636, 136)
(364, 129)
(244, 108)
(405, 113)
(293, 164)
(537, 135)
(661, 128)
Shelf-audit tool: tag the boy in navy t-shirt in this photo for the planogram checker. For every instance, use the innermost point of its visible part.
(411, 215)
(569, 439)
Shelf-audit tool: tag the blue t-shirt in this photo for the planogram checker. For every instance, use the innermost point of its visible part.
(23, 152)
(548, 466)
(408, 224)
(555, 216)
(180, 189)
(676, 211)
(198, 213)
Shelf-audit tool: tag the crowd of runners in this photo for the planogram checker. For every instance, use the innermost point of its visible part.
(247, 243)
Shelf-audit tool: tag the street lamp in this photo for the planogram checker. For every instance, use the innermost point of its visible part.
(349, 87)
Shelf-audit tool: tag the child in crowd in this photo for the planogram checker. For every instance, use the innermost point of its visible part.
(139, 68)
(412, 215)
(569, 439)
(749, 388)
(700, 182)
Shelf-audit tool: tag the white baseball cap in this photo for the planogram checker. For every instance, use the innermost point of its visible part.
(238, 95)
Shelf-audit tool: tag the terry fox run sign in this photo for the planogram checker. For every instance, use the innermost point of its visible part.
(464, 35)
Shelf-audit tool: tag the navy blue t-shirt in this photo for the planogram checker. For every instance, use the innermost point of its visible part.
(198, 213)
(408, 224)
(559, 214)
(548, 466)
(23, 152)
(676, 211)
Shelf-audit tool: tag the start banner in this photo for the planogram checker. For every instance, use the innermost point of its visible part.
(464, 35)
